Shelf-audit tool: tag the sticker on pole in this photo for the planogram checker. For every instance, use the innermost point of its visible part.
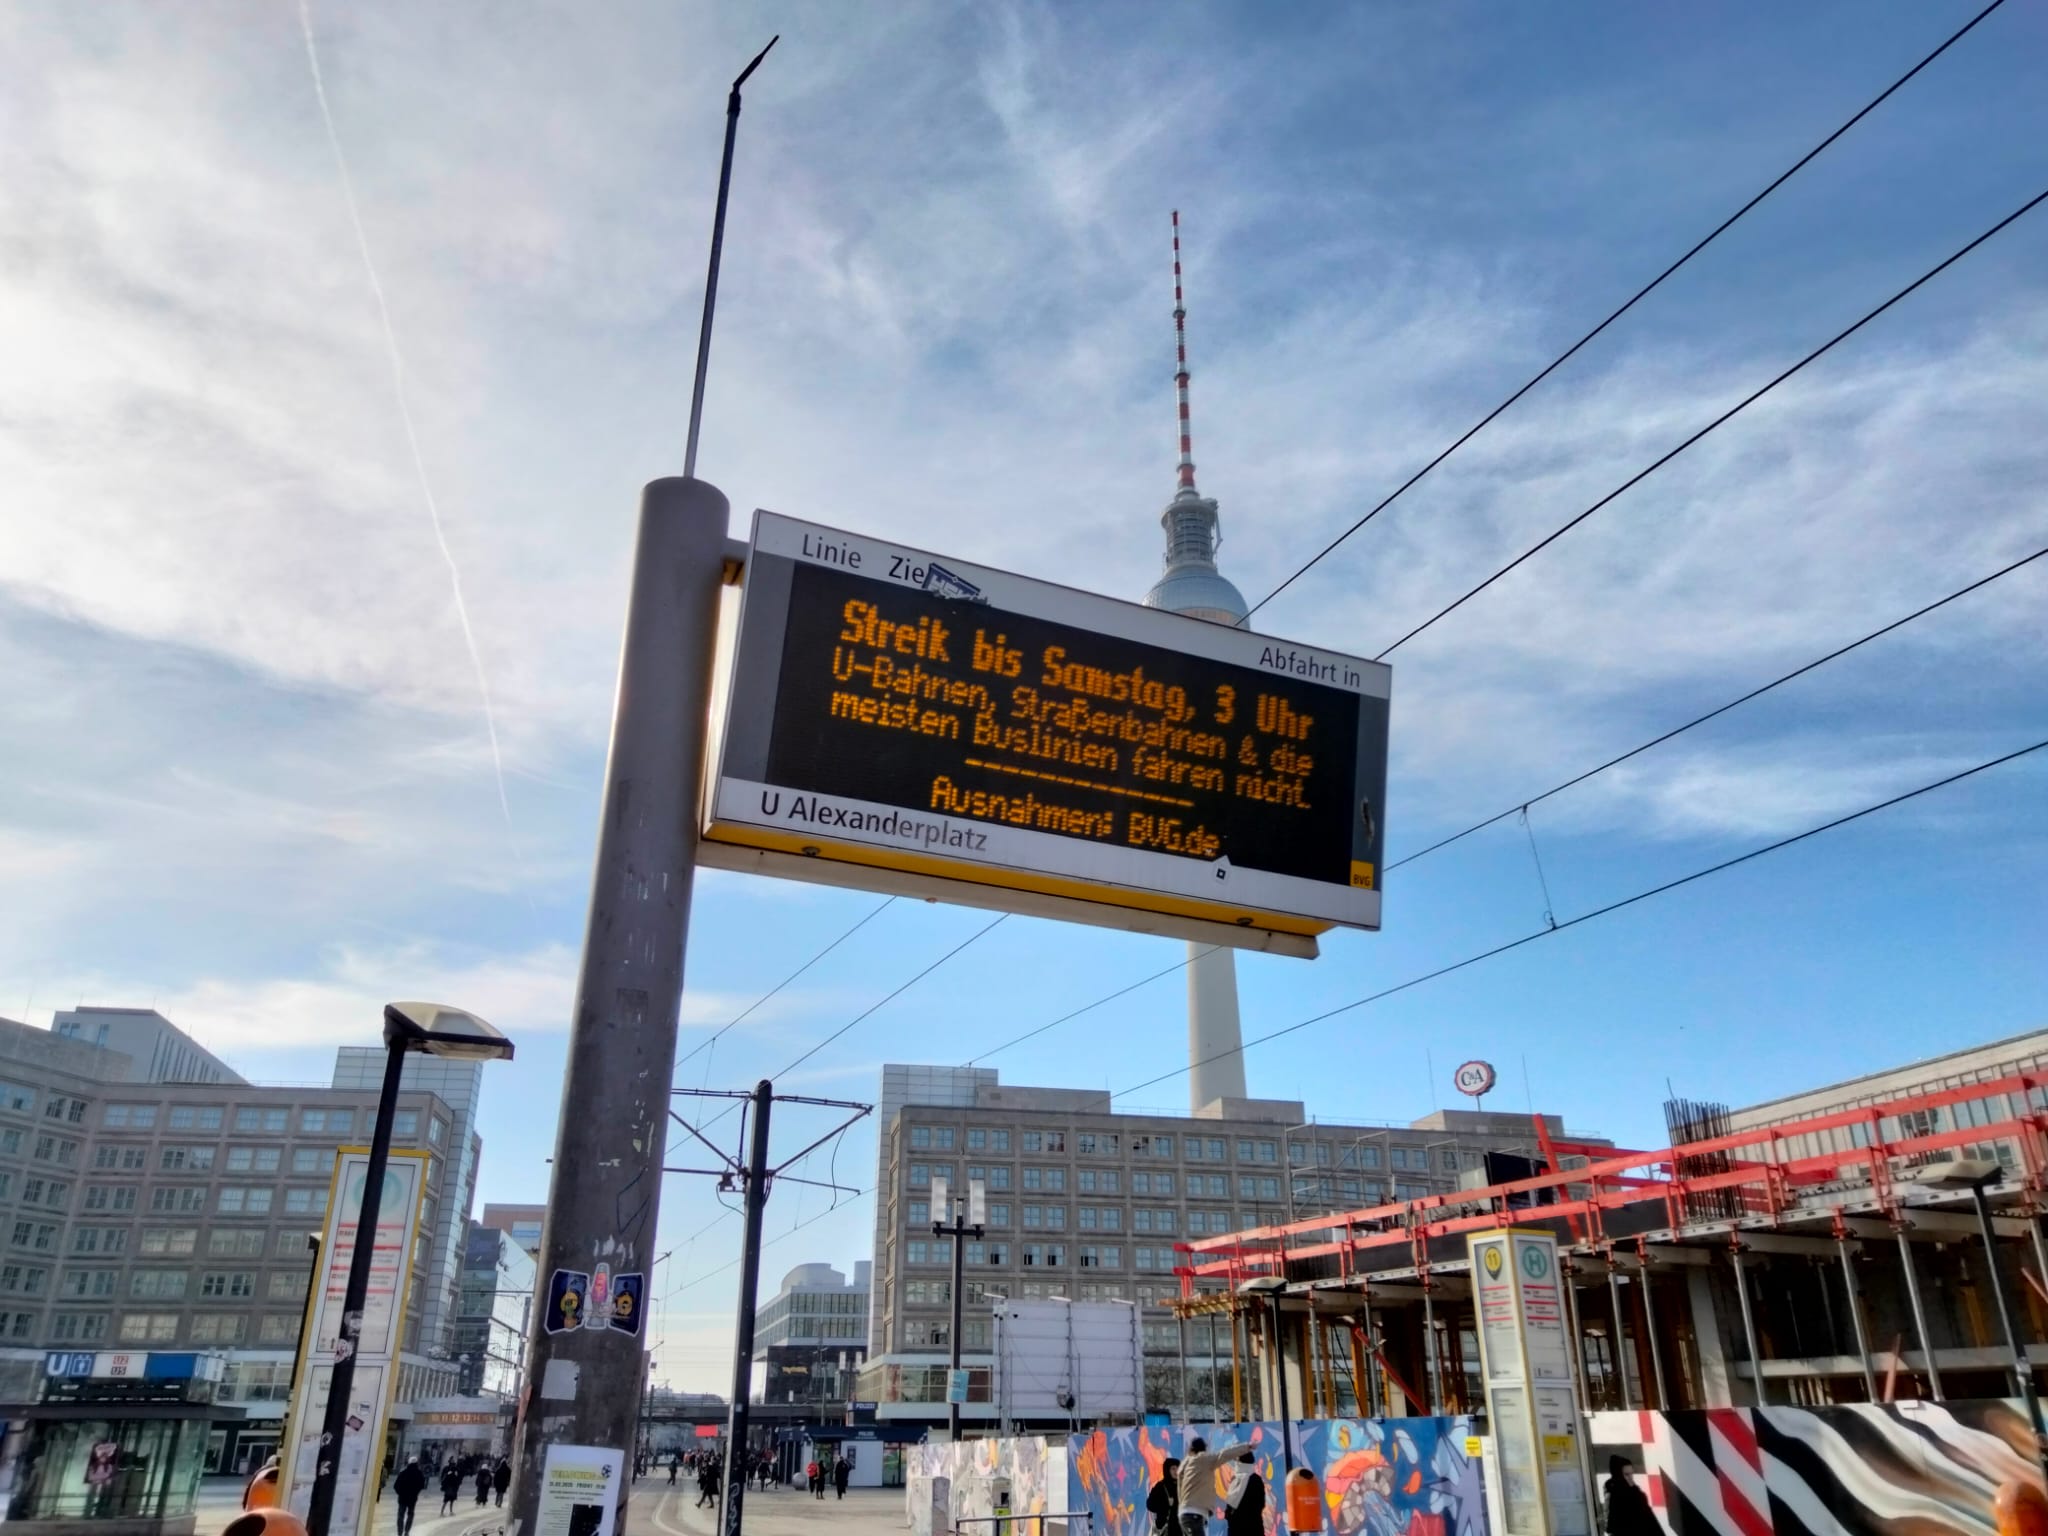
(628, 1292)
(567, 1289)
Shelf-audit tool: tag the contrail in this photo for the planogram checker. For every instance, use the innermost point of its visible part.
(412, 438)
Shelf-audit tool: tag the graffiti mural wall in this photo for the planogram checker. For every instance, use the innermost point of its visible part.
(1380, 1477)
(1856, 1470)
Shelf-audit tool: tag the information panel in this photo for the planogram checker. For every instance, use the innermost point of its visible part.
(930, 718)
(1531, 1393)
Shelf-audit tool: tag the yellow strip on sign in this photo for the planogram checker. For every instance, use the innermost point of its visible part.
(1016, 880)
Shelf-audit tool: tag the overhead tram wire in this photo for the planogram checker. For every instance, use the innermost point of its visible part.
(1587, 917)
(1144, 981)
(873, 913)
(1642, 293)
(1728, 415)
(1715, 713)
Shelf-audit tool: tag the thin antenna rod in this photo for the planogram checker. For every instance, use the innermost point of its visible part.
(1180, 375)
(732, 125)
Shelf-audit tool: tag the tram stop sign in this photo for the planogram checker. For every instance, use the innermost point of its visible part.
(916, 724)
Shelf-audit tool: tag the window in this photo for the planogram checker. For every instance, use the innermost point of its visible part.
(1297, 1154)
(236, 1200)
(232, 1242)
(977, 1141)
(918, 1213)
(254, 1159)
(99, 1240)
(130, 1158)
(1152, 1258)
(1084, 1218)
(334, 1122)
(88, 1282)
(999, 1215)
(1045, 1141)
(1098, 1143)
(278, 1328)
(921, 1137)
(129, 1117)
(312, 1160)
(23, 1280)
(58, 1107)
(178, 1197)
(196, 1117)
(174, 1241)
(920, 1175)
(1152, 1146)
(1322, 1154)
(927, 1293)
(1153, 1183)
(160, 1284)
(999, 1141)
(406, 1124)
(1055, 1255)
(1034, 1178)
(1034, 1255)
(52, 1192)
(149, 1327)
(251, 1118)
(61, 1150)
(998, 1254)
(289, 1285)
(78, 1327)
(226, 1284)
(999, 1178)
(1269, 1151)
(186, 1159)
(1450, 1160)
(17, 1098)
(1145, 1219)
(10, 1142)
(294, 1245)
(40, 1235)
(1408, 1189)
(1034, 1217)
(219, 1327)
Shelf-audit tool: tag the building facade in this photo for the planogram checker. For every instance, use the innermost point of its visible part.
(813, 1336)
(493, 1310)
(161, 1052)
(521, 1223)
(139, 1215)
(1087, 1203)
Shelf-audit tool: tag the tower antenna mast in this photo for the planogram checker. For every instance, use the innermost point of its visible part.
(1180, 375)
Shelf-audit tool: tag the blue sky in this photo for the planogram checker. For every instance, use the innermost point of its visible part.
(248, 777)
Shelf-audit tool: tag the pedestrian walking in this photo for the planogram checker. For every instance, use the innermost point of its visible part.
(411, 1483)
(811, 1477)
(842, 1474)
(451, 1487)
(675, 1465)
(1198, 1482)
(501, 1479)
(483, 1482)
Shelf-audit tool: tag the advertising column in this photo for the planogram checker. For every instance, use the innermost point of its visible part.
(383, 1333)
(1531, 1397)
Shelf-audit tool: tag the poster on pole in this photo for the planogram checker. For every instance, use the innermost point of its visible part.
(986, 738)
(579, 1491)
(383, 1330)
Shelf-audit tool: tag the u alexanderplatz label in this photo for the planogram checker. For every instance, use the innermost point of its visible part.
(933, 721)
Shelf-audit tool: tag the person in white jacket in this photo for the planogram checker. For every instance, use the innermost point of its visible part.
(1198, 1471)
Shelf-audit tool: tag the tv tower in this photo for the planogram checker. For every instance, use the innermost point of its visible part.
(1192, 585)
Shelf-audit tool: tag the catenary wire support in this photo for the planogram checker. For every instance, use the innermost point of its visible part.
(1549, 913)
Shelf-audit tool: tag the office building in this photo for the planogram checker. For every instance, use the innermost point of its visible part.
(1088, 1203)
(457, 1085)
(493, 1311)
(812, 1337)
(162, 1052)
(174, 1217)
(521, 1223)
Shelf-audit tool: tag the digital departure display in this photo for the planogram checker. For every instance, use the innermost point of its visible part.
(900, 696)
(944, 722)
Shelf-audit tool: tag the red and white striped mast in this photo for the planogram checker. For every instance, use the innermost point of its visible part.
(1180, 376)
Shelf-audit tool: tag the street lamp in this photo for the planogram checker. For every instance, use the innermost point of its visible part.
(1268, 1288)
(947, 1222)
(1974, 1174)
(430, 1029)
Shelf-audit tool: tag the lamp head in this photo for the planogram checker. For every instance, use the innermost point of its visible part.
(1958, 1173)
(434, 1029)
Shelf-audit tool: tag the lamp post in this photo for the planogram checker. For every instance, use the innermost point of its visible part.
(1269, 1288)
(947, 1222)
(431, 1030)
(1975, 1174)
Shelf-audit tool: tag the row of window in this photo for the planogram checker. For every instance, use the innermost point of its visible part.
(203, 1159)
(229, 1199)
(942, 1138)
(998, 1255)
(233, 1242)
(1213, 1149)
(269, 1120)
(1093, 1218)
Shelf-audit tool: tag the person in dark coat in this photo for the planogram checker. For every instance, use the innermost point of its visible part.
(1628, 1507)
(501, 1479)
(483, 1482)
(842, 1474)
(1247, 1516)
(1163, 1502)
(451, 1487)
(411, 1483)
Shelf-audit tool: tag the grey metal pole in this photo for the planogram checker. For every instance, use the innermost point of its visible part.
(1756, 1359)
(1436, 1393)
(1919, 1316)
(1856, 1318)
(349, 1339)
(604, 1197)
(1280, 1386)
(956, 1229)
(1571, 1312)
(1650, 1331)
(1215, 1391)
(755, 1196)
(1628, 1400)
